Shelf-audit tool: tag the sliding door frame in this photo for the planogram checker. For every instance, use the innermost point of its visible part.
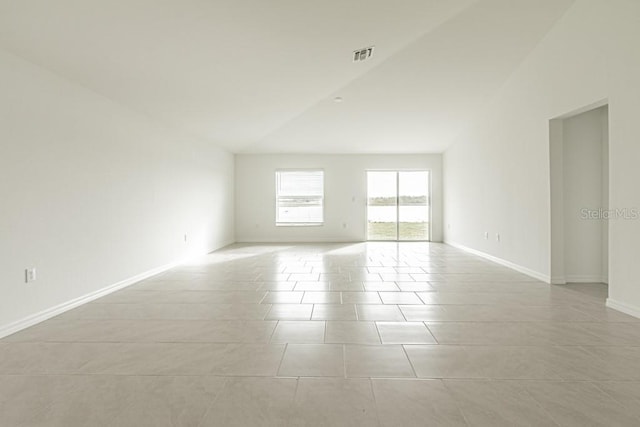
(366, 205)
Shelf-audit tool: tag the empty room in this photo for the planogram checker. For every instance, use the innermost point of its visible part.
(332, 213)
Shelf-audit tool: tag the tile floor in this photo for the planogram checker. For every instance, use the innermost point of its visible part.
(371, 334)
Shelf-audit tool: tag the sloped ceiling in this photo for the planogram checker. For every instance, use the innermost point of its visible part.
(261, 75)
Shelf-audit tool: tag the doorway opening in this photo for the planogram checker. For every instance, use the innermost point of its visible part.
(398, 205)
(579, 167)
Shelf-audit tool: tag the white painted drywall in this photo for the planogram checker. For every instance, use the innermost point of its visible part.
(92, 193)
(497, 173)
(345, 194)
(583, 171)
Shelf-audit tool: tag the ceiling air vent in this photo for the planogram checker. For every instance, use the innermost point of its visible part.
(363, 54)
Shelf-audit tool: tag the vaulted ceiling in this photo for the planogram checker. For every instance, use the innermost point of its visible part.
(262, 75)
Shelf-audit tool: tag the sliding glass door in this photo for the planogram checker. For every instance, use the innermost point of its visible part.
(398, 205)
(382, 205)
(413, 205)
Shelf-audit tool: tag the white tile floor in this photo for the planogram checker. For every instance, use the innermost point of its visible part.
(328, 335)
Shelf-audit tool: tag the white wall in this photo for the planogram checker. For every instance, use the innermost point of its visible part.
(345, 194)
(92, 193)
(583, 171)
(497, 173)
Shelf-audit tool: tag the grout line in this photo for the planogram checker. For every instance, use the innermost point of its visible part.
(293, 403)
(375, 401)
(375, 322)
(402, 313)
(231, 376)
(274, 331)
(264, 297)
(551, 417)
(434, 337)
(286, 347)
(413, 369)
(344, 361)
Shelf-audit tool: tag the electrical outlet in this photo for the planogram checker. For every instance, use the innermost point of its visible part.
(486, 235)
(30, 275)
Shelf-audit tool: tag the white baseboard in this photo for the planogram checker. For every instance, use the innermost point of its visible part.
(319, 240)
(624, 308)
(519, 268)
(558, 280)
(291, 240)
(28, 321)
(584, 279)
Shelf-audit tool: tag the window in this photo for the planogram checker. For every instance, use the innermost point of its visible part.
(299, 197)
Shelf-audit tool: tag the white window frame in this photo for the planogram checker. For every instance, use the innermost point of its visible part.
(277, 204)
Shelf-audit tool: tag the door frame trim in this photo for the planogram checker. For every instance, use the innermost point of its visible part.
(429, 196)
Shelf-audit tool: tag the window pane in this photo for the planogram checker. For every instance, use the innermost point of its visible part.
(299, 197)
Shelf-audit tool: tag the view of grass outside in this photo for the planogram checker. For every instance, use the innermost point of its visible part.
(398, 205)
(408, 231)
